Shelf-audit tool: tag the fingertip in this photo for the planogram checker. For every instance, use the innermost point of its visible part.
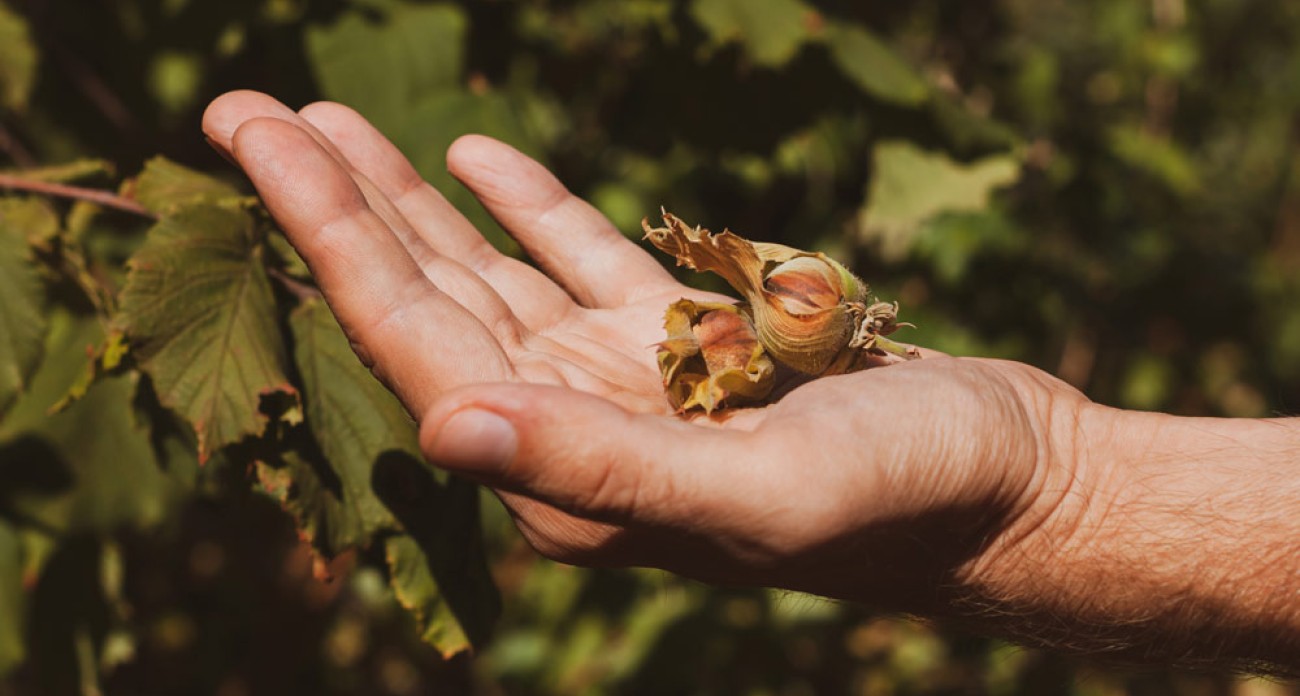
(298, 179)
(466, 145)
(328, 113)
(228, 112)
(475, 152)
(474, 441)
(255, 140)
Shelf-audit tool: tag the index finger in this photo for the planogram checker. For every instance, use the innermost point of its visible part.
(412, 335)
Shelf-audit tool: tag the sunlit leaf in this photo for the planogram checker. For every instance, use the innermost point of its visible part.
(18, 59)
(22, 295)
(910, 185)
(200, 315)
(438, 569)
(382, 60)
(1148, 381)
(1158, 157)
(418, 591)
(874, 66)
(69, 171)
(174, 79)
(772, 31)
(164, 186)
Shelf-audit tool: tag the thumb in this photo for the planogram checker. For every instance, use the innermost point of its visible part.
(584, 454)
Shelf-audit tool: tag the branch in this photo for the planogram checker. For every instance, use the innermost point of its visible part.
(104, 198)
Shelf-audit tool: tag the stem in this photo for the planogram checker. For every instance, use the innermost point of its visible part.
(296, 287)
(104, 198)
(905, 351)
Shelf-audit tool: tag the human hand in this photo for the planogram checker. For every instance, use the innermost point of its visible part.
(902, 486)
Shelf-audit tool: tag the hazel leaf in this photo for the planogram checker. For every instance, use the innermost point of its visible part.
(200, 315)
(164, 186)
(353, 418)
(22, 294)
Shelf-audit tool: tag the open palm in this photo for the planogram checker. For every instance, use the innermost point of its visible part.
(543, 384)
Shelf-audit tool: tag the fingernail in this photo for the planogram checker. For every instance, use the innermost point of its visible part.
(475, 440)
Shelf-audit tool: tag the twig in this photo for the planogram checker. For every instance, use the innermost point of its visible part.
(104, 198)
(296, 287)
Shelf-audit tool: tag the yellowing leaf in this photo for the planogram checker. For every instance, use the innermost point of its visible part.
(68, 171)
(199, 313)
(772, 31)
(22, 295)
(874, 66)
(164, 186)
(438, 570)
(910, 185)
(17, 60)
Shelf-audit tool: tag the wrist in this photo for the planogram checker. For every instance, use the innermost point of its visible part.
(1155, 537)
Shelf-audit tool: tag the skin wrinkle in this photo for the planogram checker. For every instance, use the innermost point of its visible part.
(462, 231)
(599, 254)
(558, 209)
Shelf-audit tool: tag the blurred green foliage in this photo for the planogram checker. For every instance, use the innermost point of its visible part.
(1109, 190)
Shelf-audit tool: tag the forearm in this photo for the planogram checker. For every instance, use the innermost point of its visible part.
(1170, 540)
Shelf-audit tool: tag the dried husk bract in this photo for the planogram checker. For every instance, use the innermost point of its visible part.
(712, 354)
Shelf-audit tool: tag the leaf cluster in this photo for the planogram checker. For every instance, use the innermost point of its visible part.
(1104, 189)
(206, 361)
